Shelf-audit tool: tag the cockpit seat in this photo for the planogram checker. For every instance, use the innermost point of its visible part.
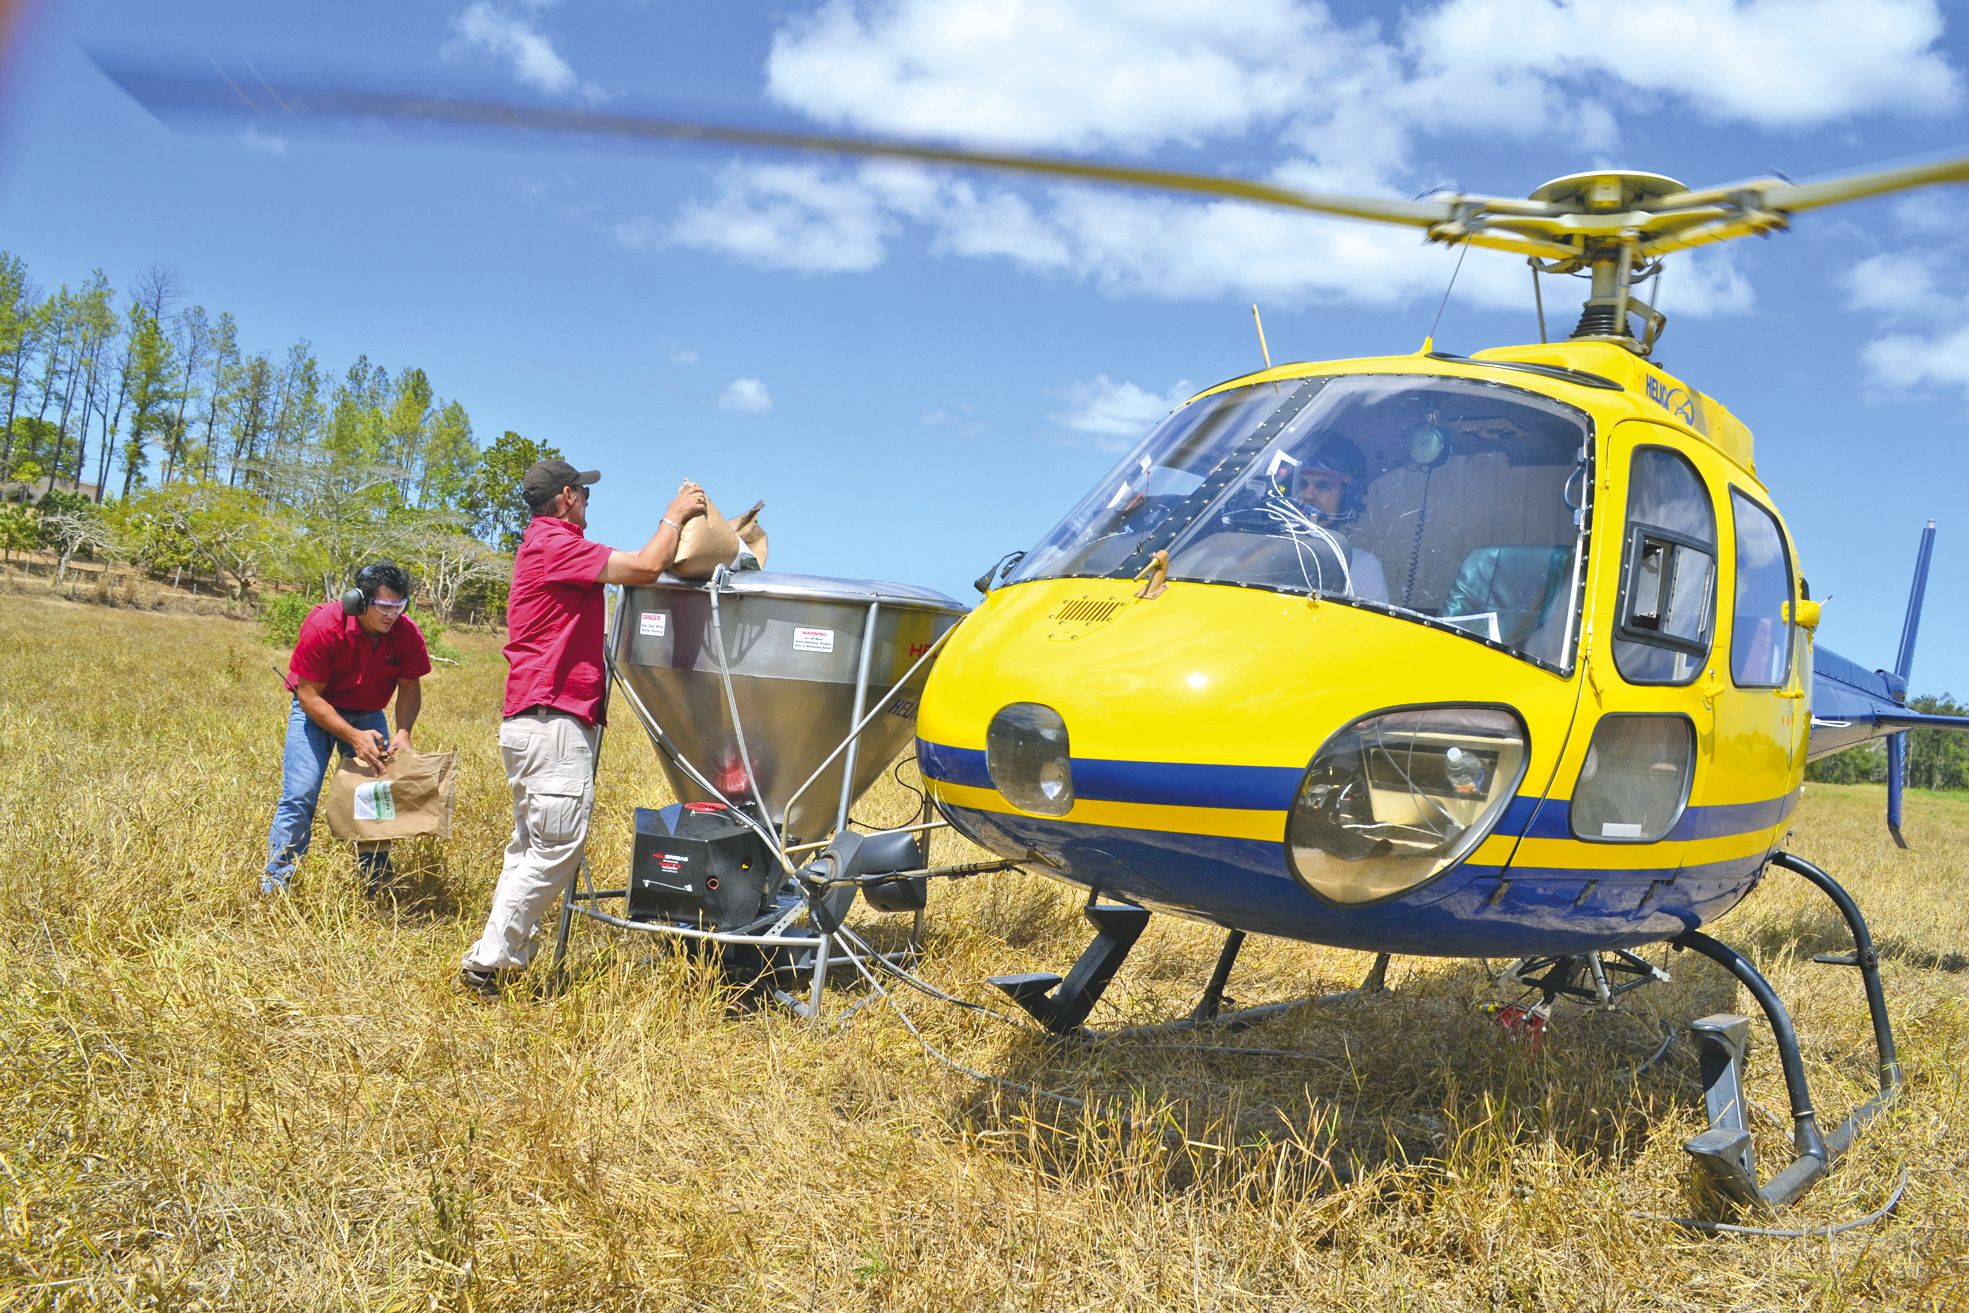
(1514, 583)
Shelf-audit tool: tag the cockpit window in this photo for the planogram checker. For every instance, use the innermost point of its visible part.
(1458, 502)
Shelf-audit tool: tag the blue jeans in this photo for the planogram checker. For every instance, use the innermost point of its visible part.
(303, 766)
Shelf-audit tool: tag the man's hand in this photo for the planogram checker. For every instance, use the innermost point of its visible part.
(401, 743)
(688, 503)
(372, 749)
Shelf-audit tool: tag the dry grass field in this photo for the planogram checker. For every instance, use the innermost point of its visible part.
(211, 1100)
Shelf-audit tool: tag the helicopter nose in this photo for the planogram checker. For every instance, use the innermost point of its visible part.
(1029, 758)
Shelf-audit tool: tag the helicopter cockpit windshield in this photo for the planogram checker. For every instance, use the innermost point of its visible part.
(1454, 502)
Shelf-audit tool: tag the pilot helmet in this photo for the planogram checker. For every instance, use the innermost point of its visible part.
(1339, 456)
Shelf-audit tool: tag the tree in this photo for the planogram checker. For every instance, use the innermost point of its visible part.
(492, 494)
(1937, 758)
(18, 328)
(249, 417)
(446, 559)
(405, 428)
(18, 530)
(153, 380)
(194, 341)
(72, 525)
(228, 376)
(450, 455)
(94, 318)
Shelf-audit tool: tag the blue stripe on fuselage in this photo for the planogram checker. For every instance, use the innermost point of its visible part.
(1273, 788)
(1245, 883)
(1717, 821)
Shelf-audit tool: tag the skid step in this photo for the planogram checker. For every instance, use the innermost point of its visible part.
(1061, 1005)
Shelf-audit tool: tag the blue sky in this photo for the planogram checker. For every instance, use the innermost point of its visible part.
(921, 371)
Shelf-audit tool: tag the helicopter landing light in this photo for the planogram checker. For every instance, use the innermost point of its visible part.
(1397, 798)
(1028, 758)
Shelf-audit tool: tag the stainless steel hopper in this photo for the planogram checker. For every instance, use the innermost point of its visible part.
(807, 657)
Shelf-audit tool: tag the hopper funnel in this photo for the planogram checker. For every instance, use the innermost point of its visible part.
(806, 656)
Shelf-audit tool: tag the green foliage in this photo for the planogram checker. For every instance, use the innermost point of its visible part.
(20, 529)
(1936, 758)
(281, 616)
(433, 633)
(492, 493)
(1864, 764)
(237, 465)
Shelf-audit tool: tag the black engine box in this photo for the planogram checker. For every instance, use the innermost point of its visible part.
(697, 864)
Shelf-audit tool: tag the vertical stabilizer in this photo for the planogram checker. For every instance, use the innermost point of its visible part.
(1903, 666)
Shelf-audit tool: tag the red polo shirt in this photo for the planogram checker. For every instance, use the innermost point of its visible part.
(356, 671)
(554, 621)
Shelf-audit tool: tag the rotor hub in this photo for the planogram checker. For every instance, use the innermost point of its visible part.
(1606, 191)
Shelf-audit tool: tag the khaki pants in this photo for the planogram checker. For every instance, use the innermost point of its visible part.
(550, 763)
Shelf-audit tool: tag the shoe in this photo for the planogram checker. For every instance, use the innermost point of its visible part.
(377, 880)
(271, 884)
(480, 984)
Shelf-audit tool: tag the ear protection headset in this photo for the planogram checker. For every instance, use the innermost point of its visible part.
(377, 574)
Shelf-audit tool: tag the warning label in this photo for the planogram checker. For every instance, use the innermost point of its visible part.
(651, 624)
(813, 640)
(374, 802)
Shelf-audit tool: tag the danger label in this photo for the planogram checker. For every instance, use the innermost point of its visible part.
(651, 624)
(813, 640)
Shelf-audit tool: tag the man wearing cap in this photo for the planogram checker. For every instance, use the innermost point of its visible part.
(554, 685)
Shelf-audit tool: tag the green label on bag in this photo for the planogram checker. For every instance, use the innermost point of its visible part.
(374, 802)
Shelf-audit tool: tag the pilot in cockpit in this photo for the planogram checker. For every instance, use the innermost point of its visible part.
(1330, 485)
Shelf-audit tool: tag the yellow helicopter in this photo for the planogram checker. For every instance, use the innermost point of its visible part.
(1506, 656)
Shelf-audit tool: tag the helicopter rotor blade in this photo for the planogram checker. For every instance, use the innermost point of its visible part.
(1788, 197)
(164, 92)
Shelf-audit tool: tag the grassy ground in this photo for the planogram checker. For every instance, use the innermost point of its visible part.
(212, 1100)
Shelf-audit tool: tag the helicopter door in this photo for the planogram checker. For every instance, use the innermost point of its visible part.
(1760, 720)
(1632, 778)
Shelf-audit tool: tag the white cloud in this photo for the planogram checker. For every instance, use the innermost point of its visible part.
(266, 143)
(492, 30)
(1897, 285)
(1127, 73)
(1910, 360)
(1770, 63)
(636, 232)
(788, 216)
(959, 421)
(747, 396)
(684, 357)
(1116, 414)
(1278, 90)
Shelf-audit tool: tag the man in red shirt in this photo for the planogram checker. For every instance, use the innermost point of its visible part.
(348, 662)
(554, 685)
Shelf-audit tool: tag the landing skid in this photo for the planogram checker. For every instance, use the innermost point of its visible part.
(1062, 1005)
(1725, 1170)
(1725, 1167)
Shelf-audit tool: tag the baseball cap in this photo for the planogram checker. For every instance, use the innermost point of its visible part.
(547, 477)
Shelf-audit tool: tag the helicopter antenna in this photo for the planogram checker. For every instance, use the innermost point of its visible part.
(1538, 297)
(1263, 350)
(1447, 290)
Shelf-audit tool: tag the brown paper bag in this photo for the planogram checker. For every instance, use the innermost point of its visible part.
(752, 533)
(410, 797)
(710, 540)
